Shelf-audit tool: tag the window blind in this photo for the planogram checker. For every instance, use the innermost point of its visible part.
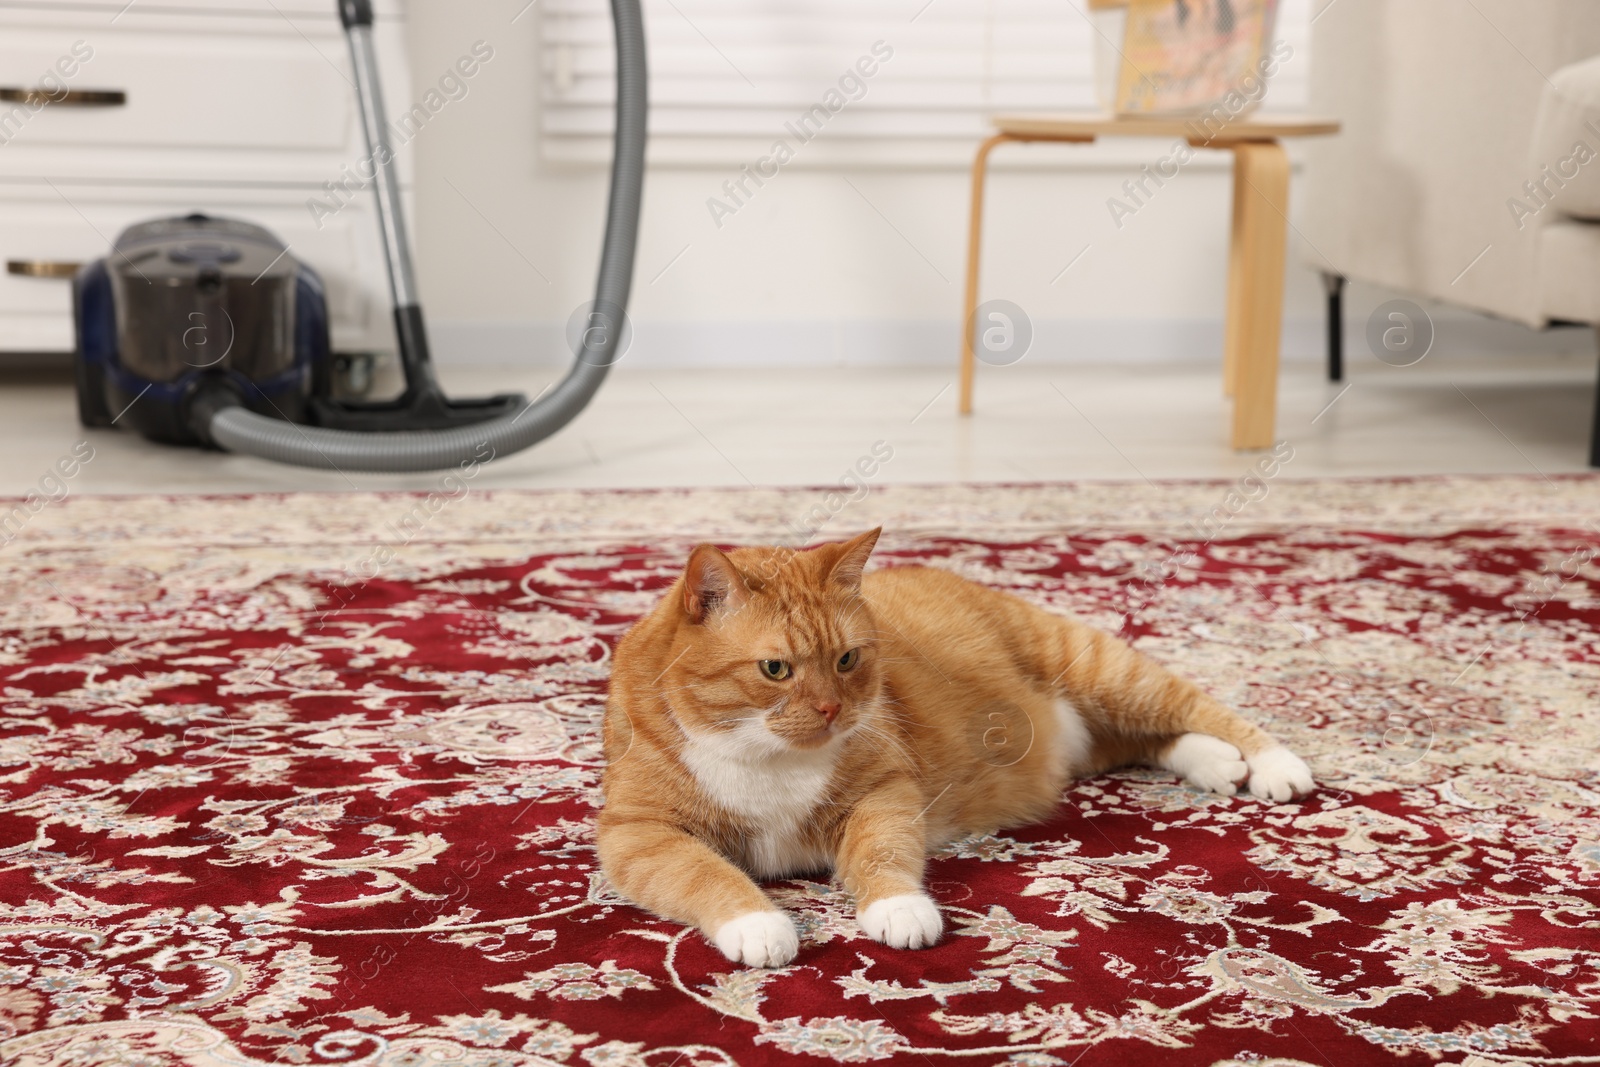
(918, 78)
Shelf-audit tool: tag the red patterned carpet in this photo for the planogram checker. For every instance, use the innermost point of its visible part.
(307, 780)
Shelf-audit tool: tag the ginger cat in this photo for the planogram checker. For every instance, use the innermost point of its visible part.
(780, 713)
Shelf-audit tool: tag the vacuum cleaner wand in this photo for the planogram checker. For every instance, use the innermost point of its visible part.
(423, 429)
(422, 405)
(356, 15)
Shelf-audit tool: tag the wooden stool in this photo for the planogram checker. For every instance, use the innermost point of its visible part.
(1255, 255)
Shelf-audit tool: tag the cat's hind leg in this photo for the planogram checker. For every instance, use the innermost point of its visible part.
(1138, 712)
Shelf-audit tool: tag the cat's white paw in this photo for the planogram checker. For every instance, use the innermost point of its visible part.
(1279, 775)
(910, 920)
(1208, 762)
(758, 939)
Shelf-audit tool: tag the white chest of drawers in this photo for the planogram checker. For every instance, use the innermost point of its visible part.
(112, 112)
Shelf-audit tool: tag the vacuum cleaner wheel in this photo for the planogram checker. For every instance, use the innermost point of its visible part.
(92, 410)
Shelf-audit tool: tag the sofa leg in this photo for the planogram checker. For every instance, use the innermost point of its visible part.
(1594, 433)
(1334, 284)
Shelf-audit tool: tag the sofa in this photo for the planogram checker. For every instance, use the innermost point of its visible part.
(1468, 170)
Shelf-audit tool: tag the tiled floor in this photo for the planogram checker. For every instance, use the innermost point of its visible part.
(767, 427)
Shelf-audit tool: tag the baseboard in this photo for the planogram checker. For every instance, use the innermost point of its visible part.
(821, 342)
(933, 343)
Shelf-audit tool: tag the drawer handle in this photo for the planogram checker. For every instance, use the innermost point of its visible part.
(42, 268)
(71, 98)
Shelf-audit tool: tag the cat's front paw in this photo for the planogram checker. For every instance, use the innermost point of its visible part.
(910, 920)
(1279, 775)
(758, 939)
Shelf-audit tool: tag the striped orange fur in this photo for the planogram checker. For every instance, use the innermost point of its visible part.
(782, 713)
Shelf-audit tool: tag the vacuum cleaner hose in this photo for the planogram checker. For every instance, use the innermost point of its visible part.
(236, 429)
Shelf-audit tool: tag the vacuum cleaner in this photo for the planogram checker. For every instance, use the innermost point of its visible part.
(206, 331)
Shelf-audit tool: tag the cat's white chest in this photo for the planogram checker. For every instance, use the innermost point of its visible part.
(775, 794)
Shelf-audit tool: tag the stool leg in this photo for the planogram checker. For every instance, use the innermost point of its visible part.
(980, 171)
(1260, 236)
(1237, 313)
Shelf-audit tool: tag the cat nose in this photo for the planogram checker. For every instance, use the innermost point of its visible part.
(828, 708)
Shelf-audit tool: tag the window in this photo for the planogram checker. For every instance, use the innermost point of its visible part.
(730, 77)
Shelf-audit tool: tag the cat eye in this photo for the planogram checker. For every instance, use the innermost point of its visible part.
(849, 660)
(776, 669)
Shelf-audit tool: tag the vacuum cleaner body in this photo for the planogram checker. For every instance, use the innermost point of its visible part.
(207, 331)
(197, 304)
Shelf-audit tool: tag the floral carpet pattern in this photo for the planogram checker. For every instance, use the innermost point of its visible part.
(312, 780)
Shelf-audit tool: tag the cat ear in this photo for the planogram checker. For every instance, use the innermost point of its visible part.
(852, 561)
(710, 582)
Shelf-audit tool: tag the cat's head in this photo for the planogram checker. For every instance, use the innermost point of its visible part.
(776, 649)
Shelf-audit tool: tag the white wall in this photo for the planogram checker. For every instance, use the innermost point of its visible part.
(808, 271)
